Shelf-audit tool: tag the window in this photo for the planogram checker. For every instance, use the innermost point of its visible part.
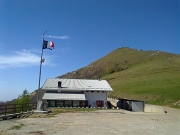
(59, 103)
(75, 103)
(99, 103)
(51, 103)
(84, 103)
(68, 103)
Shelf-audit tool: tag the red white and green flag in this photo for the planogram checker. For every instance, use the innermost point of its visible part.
(48, 45)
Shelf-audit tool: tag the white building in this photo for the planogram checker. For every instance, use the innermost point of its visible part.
(76, 92)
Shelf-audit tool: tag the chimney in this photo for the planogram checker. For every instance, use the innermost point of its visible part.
(59, 84)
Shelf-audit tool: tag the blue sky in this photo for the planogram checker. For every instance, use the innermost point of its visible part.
(82, 31)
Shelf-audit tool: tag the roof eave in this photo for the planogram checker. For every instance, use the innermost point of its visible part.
(66, 89)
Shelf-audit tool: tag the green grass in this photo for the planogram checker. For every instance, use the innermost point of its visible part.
(155, 80)
(152, 76)
(55, 111)
(1, 133)
(161, 88)
(175, 106)
(17, 127)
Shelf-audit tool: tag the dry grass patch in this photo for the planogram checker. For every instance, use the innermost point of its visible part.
(55, 111)
(17, 127)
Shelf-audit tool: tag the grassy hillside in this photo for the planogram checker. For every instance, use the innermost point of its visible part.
(153, 76)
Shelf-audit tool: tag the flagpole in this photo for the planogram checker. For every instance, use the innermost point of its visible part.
(38, 94)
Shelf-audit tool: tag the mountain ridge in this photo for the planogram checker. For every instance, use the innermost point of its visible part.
(109, 63)
(152, 76)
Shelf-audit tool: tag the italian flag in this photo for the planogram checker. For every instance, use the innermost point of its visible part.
(48, 45)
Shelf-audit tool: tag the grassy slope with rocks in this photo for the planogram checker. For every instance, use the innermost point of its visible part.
(152, 76)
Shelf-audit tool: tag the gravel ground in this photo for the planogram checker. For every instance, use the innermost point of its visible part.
(105, 122)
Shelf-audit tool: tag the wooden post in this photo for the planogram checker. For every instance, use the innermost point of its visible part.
(28, 107)
(14, 108)
(22, 108)
(5, 110)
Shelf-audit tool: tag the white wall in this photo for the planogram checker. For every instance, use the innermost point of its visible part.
(92, 97)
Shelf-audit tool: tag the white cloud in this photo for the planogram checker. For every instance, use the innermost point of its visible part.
(65, 49)
(58, 37)
(53, 65)
(22, 58)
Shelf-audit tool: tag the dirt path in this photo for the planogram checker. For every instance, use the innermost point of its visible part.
(103, 122)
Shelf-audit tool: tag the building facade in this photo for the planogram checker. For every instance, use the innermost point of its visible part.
(76, 92)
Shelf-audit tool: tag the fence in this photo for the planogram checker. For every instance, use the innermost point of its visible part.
(14, 109)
